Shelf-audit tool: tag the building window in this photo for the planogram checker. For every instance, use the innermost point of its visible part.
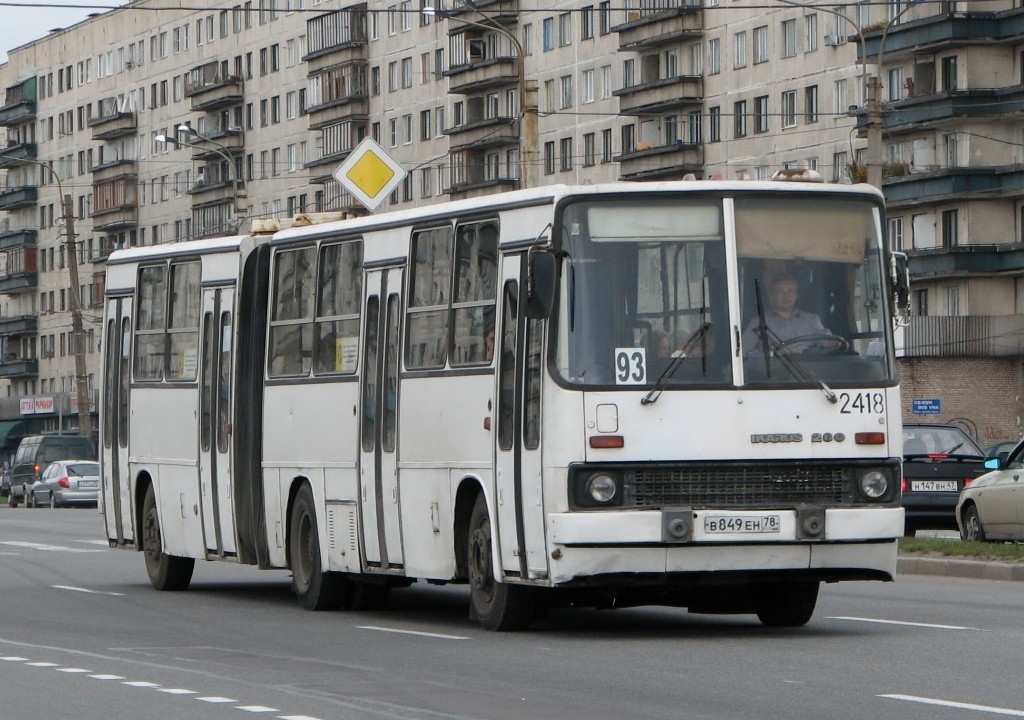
(921, 303)
(606, 145)
(714, 56)
(548, 34)
(950, 238)
(564, 29)
(587, 23)
(949, 83)
(739, 119)
(953, 301)
(841, 99)
(789, 108)
(739, 59)
(587, 89)
(895, 89)
(949, 142)
(896, 233)
(811, 104)
(589, 149)
(761, 114)
(565, 154)
(604, 14)
(565, 94)
(715, 124)
(761, 44)
(839, 163)
(810, 33)
(788, 38)
(549, 158)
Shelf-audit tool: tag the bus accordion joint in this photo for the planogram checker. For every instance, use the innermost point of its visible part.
(869, 438)
(606, 442)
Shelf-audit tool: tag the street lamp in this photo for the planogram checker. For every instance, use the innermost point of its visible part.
(527, 90)
(237, 184)
(81, 374)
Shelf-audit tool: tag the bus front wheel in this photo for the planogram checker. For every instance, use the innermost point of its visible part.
(314, 588)
(785, 604)
(494, 604)
(166, 572)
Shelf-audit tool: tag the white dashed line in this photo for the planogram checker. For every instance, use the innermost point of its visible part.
(47, 548)
(72, 588)
(957, 705)
(412, 632)
(145, 684)
(908, 624)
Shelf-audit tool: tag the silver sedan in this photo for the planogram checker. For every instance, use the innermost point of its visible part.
(992, 506)
(66, 482)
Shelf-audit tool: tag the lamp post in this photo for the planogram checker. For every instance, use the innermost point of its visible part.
(872, 86)
(81, 374)
(237, 184)
(527, 90)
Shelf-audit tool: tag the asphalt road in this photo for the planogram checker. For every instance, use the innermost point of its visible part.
(83, 635)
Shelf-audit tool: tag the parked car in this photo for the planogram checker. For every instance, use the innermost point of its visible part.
(938, 462)
(66, 482)
(998, 449)
(992, 507)
(36, 452)
(5, 483)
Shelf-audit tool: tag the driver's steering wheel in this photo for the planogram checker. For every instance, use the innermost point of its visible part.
(824, 344)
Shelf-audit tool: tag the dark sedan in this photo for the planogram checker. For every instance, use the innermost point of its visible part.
(938, 462)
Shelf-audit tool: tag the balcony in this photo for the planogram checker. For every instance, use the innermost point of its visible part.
(18, 269)
(337, 94)
(671, 161)
(939, 32)
(17, 238)
(19, 368)
(482, 75)
(954, 184)
(114, 170)
(113, 121)
(14, 155)
(19, 197)
(661, 96)
(116, 204)
(663, 23)
(19, 104)
(22, 325)
(487, 132)
(910, 114)
(475, 171)
(335, 37)
(962, 336)
(211, 88)
(502, 10)
(933, 263)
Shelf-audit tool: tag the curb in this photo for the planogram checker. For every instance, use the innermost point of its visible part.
(975, 569)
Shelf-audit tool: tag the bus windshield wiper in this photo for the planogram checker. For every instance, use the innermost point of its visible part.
(792, 363)
(677, 358)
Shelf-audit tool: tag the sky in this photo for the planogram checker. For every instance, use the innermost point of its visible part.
(23, 21)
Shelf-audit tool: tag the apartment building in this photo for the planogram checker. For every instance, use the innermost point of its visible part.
(177, 124)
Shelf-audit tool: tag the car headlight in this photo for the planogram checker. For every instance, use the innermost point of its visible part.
(602, 488)
(874, 484)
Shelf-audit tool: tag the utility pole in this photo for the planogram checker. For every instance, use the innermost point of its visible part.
(81, 375)
(874, 103)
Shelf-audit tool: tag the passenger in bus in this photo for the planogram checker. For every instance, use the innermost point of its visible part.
(784, 319)
(660, 345)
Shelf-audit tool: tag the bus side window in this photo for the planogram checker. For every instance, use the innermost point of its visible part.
(429, 292)
(476, 277)
(507, 367)
(291, 327)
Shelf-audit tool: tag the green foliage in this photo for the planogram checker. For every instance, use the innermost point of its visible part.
(1006, 552)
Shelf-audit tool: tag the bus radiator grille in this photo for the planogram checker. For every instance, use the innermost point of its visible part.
(724, 486)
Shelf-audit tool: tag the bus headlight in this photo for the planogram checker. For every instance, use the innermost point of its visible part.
(874, 484)
(602, 488)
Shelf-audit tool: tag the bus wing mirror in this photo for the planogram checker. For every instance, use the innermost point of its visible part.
(540, 287)
(900, 282)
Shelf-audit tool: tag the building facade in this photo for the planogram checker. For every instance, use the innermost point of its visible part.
(168, 125)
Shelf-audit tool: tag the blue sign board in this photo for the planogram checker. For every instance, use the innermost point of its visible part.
(927, 407)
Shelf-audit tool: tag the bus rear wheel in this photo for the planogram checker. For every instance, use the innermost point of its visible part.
(314, 588)
(785, 604)
(494, 604)
(166, 572)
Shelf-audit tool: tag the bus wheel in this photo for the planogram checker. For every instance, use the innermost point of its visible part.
(166, 572)
(495, 605)
(785, 604)
(315, 589)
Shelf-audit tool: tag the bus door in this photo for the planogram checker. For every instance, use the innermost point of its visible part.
(378, 461)
(117, 349)
(215, 429)
(520, 500)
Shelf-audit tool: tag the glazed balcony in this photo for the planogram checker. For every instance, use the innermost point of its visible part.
(954, 184)
(502, 10)
(475, 171)
(17, 154)
(937, 263)
(940, 32)
(22, 325)
(910, 114)
(487, 132)
(335, 143)
(20, 270)
(18, 238)
(337, 94)
(112, 121)
(660, 23)
(336, 37)
(115, 205)
(962, 336)
(211, 88)
(14, 368)
(114, 170)
(659, 96)
(19, 103)
(480, 60)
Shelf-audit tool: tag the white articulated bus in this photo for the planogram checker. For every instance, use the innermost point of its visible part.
(590, 395)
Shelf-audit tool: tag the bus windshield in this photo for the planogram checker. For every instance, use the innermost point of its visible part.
(648, 297)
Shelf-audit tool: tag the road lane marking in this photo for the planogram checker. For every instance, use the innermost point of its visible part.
(177, 691)
(73, 670)
(72, 588)
(296, 717)
(140, 684)
(47, 548)
(909, 624)
(257, 708)
(957, 705)
(216, 699)
(107, 677)
(398, 631)
(13, 658)
(42, 664)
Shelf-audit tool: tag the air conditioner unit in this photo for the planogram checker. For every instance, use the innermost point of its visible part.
(832, 40)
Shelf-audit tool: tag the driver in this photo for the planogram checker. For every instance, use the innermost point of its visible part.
(782, 317)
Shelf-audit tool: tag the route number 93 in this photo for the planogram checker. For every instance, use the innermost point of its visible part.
(863, 403)
(630, 366)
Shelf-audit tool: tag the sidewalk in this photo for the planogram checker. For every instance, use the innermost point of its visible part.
(949, 567)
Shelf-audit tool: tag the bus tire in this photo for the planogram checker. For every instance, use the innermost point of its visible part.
(314, 588)
(494, 604)
(785, 604)
(166, 572)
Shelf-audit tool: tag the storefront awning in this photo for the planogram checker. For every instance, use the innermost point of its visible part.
(11, 433)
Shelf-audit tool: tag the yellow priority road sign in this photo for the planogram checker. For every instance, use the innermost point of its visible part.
(370, 174)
